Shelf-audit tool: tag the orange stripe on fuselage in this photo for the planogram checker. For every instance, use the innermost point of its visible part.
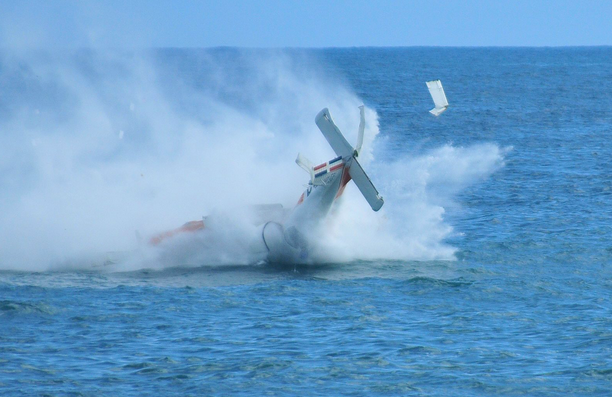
(188, 227)
(301, 200)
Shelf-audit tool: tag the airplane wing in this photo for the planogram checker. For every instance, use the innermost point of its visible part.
(342, 148)
(438, 96)
(333, 135)
(365, 185)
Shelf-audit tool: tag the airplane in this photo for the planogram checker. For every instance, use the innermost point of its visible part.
(287, 236)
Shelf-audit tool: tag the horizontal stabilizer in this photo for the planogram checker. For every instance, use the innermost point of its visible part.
(333, 135)
(438, 96)
(364, 184)
(305, 164)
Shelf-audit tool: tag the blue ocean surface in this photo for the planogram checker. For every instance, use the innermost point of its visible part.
(506, 293)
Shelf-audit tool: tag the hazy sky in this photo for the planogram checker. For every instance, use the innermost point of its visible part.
(304, 23)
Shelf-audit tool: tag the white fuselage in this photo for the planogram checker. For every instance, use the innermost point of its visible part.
(292, 240)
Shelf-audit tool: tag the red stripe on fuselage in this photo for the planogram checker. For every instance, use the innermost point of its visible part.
(346, 178)
(336, 167)
(318, 167)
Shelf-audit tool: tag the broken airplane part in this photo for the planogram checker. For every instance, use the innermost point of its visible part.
(287, 236)
(438, 96)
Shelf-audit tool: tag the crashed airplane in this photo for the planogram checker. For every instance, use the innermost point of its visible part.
(287, 236)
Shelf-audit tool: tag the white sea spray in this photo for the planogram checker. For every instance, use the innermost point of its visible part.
(100, 147)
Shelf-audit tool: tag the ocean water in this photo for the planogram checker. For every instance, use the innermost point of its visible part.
(488, 271)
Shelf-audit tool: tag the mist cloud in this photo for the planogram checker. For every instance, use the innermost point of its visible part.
(99, 144)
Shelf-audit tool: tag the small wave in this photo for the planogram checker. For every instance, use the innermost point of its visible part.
(603, 372)
(459, 282)
(12, 307)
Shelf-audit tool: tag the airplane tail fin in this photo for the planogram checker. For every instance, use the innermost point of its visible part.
(361, 129)
(342, 148)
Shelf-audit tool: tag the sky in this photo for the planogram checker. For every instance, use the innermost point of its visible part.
(303, 23)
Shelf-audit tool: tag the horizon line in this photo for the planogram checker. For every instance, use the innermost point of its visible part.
(221, 47)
